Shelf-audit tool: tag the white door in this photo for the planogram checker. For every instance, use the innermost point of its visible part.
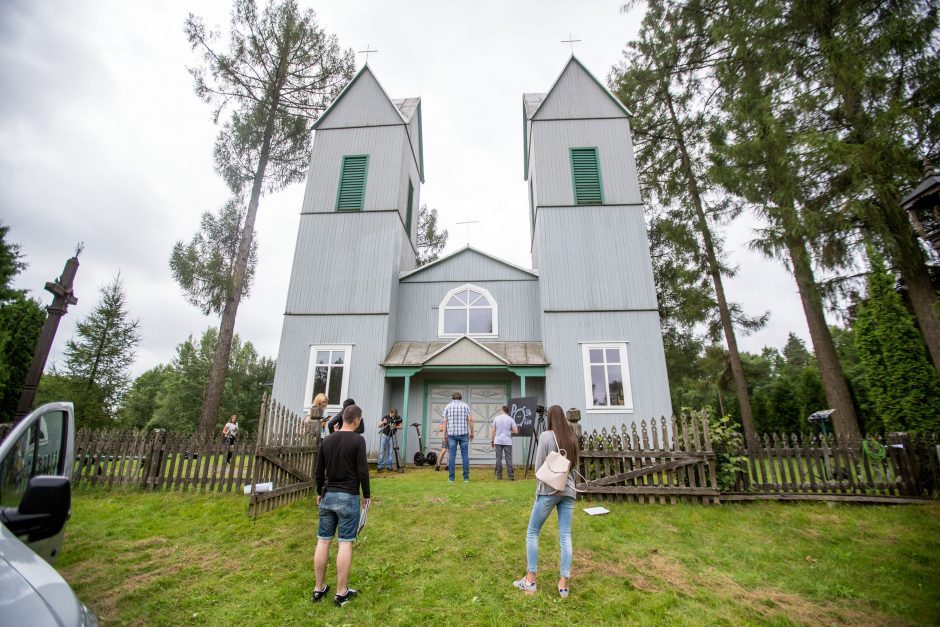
(485, 401)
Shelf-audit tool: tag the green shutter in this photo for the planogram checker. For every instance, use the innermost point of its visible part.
(586, 175)
(352, 183)
(411, 198)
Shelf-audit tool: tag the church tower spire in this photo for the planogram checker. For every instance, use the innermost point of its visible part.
(357, 232)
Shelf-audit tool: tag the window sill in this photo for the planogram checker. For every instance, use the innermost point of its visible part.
(622, 409)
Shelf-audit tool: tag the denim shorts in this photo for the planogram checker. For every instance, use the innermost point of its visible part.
(338, 510)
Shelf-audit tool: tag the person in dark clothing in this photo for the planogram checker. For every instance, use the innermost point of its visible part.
(341, 472)
(334, 423)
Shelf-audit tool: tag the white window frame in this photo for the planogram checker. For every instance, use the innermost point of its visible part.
(443, 306)
(311, 368)
(627, 406)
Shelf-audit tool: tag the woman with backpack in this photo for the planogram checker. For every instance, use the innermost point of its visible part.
(558, 437)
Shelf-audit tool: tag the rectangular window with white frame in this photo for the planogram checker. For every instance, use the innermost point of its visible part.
(607, 377)
(328, 372)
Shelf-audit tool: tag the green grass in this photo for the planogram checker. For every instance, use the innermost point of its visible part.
(435, 553)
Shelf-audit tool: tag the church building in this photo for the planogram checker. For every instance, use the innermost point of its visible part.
(580, 328)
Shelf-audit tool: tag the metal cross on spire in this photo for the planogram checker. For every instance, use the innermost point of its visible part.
(468, 222)
(571, 41)
(366, 52)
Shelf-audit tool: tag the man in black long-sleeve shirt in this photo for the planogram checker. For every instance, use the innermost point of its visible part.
(341, 472)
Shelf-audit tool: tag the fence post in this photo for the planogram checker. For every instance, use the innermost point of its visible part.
(152, 461)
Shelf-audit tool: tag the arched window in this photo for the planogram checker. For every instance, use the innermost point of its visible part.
(468, 310)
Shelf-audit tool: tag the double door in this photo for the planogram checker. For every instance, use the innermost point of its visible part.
(486, 402)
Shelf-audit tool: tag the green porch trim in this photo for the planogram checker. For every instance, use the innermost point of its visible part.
(401, 371)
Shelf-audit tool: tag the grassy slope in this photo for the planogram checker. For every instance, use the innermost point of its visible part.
(435, 552)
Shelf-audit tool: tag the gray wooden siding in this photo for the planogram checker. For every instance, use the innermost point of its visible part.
(517, 303)
(368, 336)
(384, 145)
(577, 95)
(594, 258)
(346, 262)
(469, 265)
(409, 172)
(364, 103)
(649, 382)
(550, 160)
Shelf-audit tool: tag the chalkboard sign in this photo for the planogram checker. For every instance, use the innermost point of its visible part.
(522, 410)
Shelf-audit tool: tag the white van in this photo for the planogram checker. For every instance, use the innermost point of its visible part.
(36, 460)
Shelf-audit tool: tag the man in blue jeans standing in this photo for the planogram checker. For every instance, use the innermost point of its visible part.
(458, 429)
(341, 472)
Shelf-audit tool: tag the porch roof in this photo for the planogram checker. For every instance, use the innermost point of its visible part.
(465, 351)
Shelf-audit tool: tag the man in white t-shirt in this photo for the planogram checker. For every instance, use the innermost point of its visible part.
(501, 440)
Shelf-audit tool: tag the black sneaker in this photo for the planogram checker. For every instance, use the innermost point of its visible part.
(343, 599)
(319, 594)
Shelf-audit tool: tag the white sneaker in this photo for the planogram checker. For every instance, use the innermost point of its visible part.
(525, 586)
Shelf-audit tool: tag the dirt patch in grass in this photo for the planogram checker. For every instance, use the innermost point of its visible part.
(771, 602)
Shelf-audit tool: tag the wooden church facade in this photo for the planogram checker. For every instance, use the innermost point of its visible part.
(580, 329)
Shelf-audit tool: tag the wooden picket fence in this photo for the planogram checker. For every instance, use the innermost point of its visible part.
(285, 457)
(156, 460)
(896, 469)
(666, 463)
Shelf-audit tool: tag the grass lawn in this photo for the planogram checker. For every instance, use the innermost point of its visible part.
(439, 553)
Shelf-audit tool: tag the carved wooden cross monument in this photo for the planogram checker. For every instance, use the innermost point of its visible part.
(62, 297)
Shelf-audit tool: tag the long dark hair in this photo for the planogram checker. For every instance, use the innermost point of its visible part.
(559, 425)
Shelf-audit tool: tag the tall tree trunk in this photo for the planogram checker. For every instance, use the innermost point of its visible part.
(223, 349)
(714, 270)
(893, 224)
(844, 420)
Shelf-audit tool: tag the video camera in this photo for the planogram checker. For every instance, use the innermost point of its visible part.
(540, 410)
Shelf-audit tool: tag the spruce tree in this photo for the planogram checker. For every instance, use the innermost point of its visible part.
(99, 356)
(902, 385)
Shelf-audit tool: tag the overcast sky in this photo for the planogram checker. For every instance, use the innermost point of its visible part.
(102, 141)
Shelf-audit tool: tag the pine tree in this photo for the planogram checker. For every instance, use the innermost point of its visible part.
(661, 82)
(280, 72)
(205, 268)
(430, 241)
(100, 354)
(901, 382)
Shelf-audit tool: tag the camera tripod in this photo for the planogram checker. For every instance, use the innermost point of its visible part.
(534, 439)
(394, 436)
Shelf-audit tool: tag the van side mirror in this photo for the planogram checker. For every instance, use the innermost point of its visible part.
(45, 507)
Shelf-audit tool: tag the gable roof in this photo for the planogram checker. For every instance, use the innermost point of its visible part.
(403, 111)
(465, 351)
(533, 103)
(468, 249)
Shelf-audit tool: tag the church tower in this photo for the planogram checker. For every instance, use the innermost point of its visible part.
(357, 232)
(599, 312)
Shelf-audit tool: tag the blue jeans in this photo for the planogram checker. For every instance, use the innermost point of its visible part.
(339, 511)
(543, 506)
(452, 441)
(385, 452)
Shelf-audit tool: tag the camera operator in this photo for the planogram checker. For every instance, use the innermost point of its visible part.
(390, 423)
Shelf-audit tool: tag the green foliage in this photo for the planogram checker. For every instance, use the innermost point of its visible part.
(902, 383)
(727, 442)
(21, 321)
(89, 399)
(140, 404)
(281, 70)
(11, 264)
(170, 397)
(430, 242)
(205, 268)
(103, 348)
